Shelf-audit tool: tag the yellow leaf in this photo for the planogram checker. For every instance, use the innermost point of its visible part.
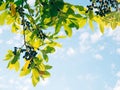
(36, 43)
(42, 67)
(13, 9)
(68, 30)
(91, 25)
(82, 22)
(3, 16)
(9, 55)
(24, 72)
(25, 67)
(101, 25)
(10, 20)
(3, 6)
(15, 66)
(118, 0)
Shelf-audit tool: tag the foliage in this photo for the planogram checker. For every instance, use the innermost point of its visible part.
(33, 23)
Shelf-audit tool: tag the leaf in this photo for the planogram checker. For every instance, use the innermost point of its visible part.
(10, 20)
(42, 67)
(82, 22)
(25, 67)
(113, 25)
(45, 56)
(68, 30)
(13, 9)
(15, 66)
(9, 55)
(48, 67)
(36, 43)
(49, 49)
(101, 25)
(25, 72)
(54, 44)
(58, 26)
(91, 25)
(3, 16)
(16, 57)
(46, 74)
(35, 76)
(3, 6)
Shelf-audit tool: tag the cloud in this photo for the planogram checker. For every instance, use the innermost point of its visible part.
(1, 31)
(101, 48)
(113, 66)
(70, 51)
(44, 82)
(98, 56)
(114, 34)
(87, 77)
(118, 51)
(118, 74)
(95, 37)
(117, 86)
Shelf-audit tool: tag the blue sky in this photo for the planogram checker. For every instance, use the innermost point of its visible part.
(87, 61)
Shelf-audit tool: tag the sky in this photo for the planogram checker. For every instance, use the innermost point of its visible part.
(87, 61)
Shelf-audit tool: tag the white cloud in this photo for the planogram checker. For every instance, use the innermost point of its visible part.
(95, 37)
(118, 74)
(118, 51)
(101, 48)
(87, 77)
(44, 82)
(70, 51)
(1, 31)
(9, 42)
(98, 56)
(114, 34)
(117, 86)
(113, 66)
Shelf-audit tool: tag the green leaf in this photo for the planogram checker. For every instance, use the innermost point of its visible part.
(46, 74)
(58, 26)
(49, 49)
(16, 57)
(19, 2)
(45, 56)
(68, 30)
(48, 67)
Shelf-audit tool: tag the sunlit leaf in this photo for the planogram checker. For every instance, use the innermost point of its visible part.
(82, 22)
(58, 26)
(68, 30)
(101, 25)
(42, 67)
(3, 16)
(3, 6)
(13, 9)
(25, 72)
(9, 55)
(35, 76)
(46, 74)
(15, 66)
(25, 67)
(91, 25)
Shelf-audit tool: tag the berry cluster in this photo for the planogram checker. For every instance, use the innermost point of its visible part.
(103, 7)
